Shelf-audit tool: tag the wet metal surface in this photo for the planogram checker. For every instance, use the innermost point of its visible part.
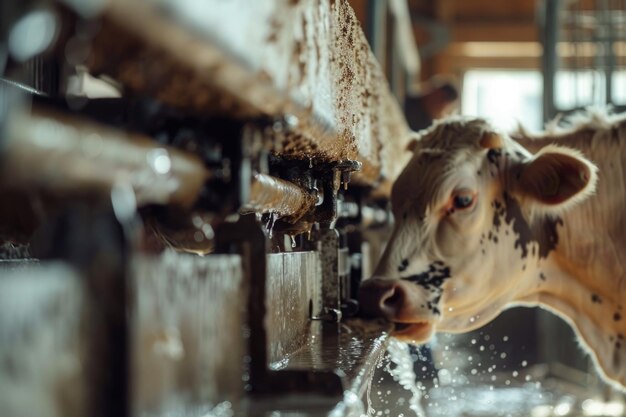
(329, 254)
(293, 294)
(348, 351)
(42, 356)
(188, 343)
(273, 195)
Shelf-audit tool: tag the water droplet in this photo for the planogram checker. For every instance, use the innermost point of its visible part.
(269, 226)
(207, 229)
(197, 221)
(159, 160)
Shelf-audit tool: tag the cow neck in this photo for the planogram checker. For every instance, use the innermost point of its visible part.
(584, 277)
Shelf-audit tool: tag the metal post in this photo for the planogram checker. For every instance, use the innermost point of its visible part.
(549, 25)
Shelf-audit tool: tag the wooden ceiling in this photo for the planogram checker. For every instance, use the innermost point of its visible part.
(480, 34)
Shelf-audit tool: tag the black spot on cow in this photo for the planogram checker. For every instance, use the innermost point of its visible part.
(542, 276)
(433, 304)
(617, 317)
(403, 265)
(433, 279)
(544, 232)
(495, 239)
(478, 173)
(433, 308)
(595, 298)
(496, 220)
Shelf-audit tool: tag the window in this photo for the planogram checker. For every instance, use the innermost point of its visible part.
(505, 97)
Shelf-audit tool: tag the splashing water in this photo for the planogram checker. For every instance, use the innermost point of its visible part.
(269, 226)
(404, 374)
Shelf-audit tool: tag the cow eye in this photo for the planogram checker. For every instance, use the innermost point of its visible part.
(463, 199)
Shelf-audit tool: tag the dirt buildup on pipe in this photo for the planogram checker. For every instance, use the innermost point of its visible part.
(310, 60)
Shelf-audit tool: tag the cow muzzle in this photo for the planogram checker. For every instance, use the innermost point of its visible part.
(400, 302)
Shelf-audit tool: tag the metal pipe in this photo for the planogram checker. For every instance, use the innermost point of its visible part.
(65, 154)
(273, 195)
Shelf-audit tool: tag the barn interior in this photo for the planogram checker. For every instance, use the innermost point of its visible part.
(191, 193)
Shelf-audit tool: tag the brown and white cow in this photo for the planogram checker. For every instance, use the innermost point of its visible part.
(484, 223)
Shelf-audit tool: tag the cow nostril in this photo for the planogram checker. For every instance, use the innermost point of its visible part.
(381, 298)
(391, 302)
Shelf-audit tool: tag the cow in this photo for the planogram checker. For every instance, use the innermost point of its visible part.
(484, 222)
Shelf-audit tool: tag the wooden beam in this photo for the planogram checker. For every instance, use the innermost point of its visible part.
(501, 31)
(450, 64)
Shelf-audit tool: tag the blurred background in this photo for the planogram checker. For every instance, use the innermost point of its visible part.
(191, 192)
(548, 57)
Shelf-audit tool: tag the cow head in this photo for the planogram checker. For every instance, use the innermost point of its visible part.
(474, 213)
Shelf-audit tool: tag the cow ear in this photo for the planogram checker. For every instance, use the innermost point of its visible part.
(557, 178)
(491, 140)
